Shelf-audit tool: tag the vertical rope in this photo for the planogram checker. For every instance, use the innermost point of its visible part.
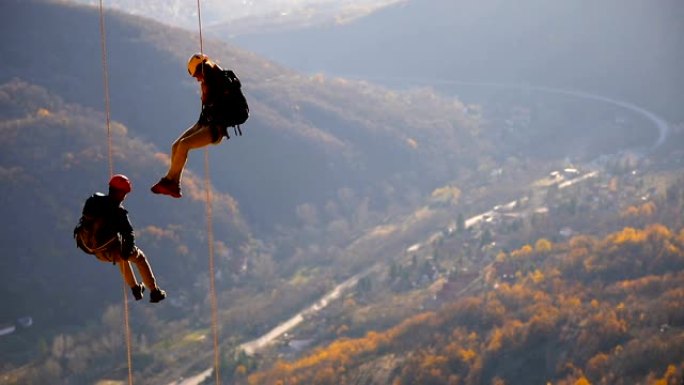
(199, 20)
(110, 159)
(212, 274)
(127, 332)
(105, 76)
(210, 235)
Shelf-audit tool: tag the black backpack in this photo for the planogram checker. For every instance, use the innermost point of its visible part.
(92, 234)
(234, 110)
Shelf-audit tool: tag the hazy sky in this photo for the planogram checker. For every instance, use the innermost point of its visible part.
(184, 12)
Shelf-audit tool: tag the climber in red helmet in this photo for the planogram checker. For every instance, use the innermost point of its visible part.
(106, 232)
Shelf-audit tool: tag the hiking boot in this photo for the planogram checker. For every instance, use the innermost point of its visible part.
(157, 295)
(167, 187)
(138, 291)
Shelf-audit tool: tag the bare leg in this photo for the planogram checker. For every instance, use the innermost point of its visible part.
(127, 273)
(138, 258)
(124, 266)
(174, 168)
(194, 137)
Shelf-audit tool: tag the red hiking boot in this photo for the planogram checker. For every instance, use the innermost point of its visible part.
(167, 187)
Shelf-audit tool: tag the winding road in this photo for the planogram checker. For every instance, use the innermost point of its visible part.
(659, 122)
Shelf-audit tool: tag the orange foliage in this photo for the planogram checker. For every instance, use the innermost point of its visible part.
(647, 209)
(240, 370)
(537, 276)
(522, 252)
(467, 355)
(500, 257)
(582, 242)
(597, 364)
(543, 246)
(510, 335)
(627, 235)
(341, 352)
(667, 378)
(630, 212)
(652, 233)
(544, 321)
(657, 231)
(596, 293)
(570, 303)
(431, 361)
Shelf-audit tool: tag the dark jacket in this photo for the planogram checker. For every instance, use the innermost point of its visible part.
(109, 219)
(213, 96)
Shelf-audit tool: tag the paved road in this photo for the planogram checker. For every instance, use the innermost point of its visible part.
(195, 380)
(267, 339)
(660, 123)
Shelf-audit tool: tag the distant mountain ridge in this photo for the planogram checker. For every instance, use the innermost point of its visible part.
(624, 49)
(182, 13)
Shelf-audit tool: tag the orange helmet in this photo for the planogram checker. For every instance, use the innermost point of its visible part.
(196, 60)
(121, 183)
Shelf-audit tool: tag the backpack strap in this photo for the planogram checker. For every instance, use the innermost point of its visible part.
(81, 244)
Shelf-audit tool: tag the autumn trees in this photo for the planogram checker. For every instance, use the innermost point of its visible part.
(589, 311)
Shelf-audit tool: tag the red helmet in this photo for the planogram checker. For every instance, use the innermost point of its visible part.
(121, 183)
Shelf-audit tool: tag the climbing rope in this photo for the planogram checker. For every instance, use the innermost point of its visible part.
(210, 234)
(105, 77)
(199, 21)
(110, 158)
(212, 275)
(127, 331)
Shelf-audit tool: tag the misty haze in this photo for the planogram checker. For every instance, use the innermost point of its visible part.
(425, 192)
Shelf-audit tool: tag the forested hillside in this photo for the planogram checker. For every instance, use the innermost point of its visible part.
(587, 310)
(331, 177)
(333, 127)
(316, 152)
